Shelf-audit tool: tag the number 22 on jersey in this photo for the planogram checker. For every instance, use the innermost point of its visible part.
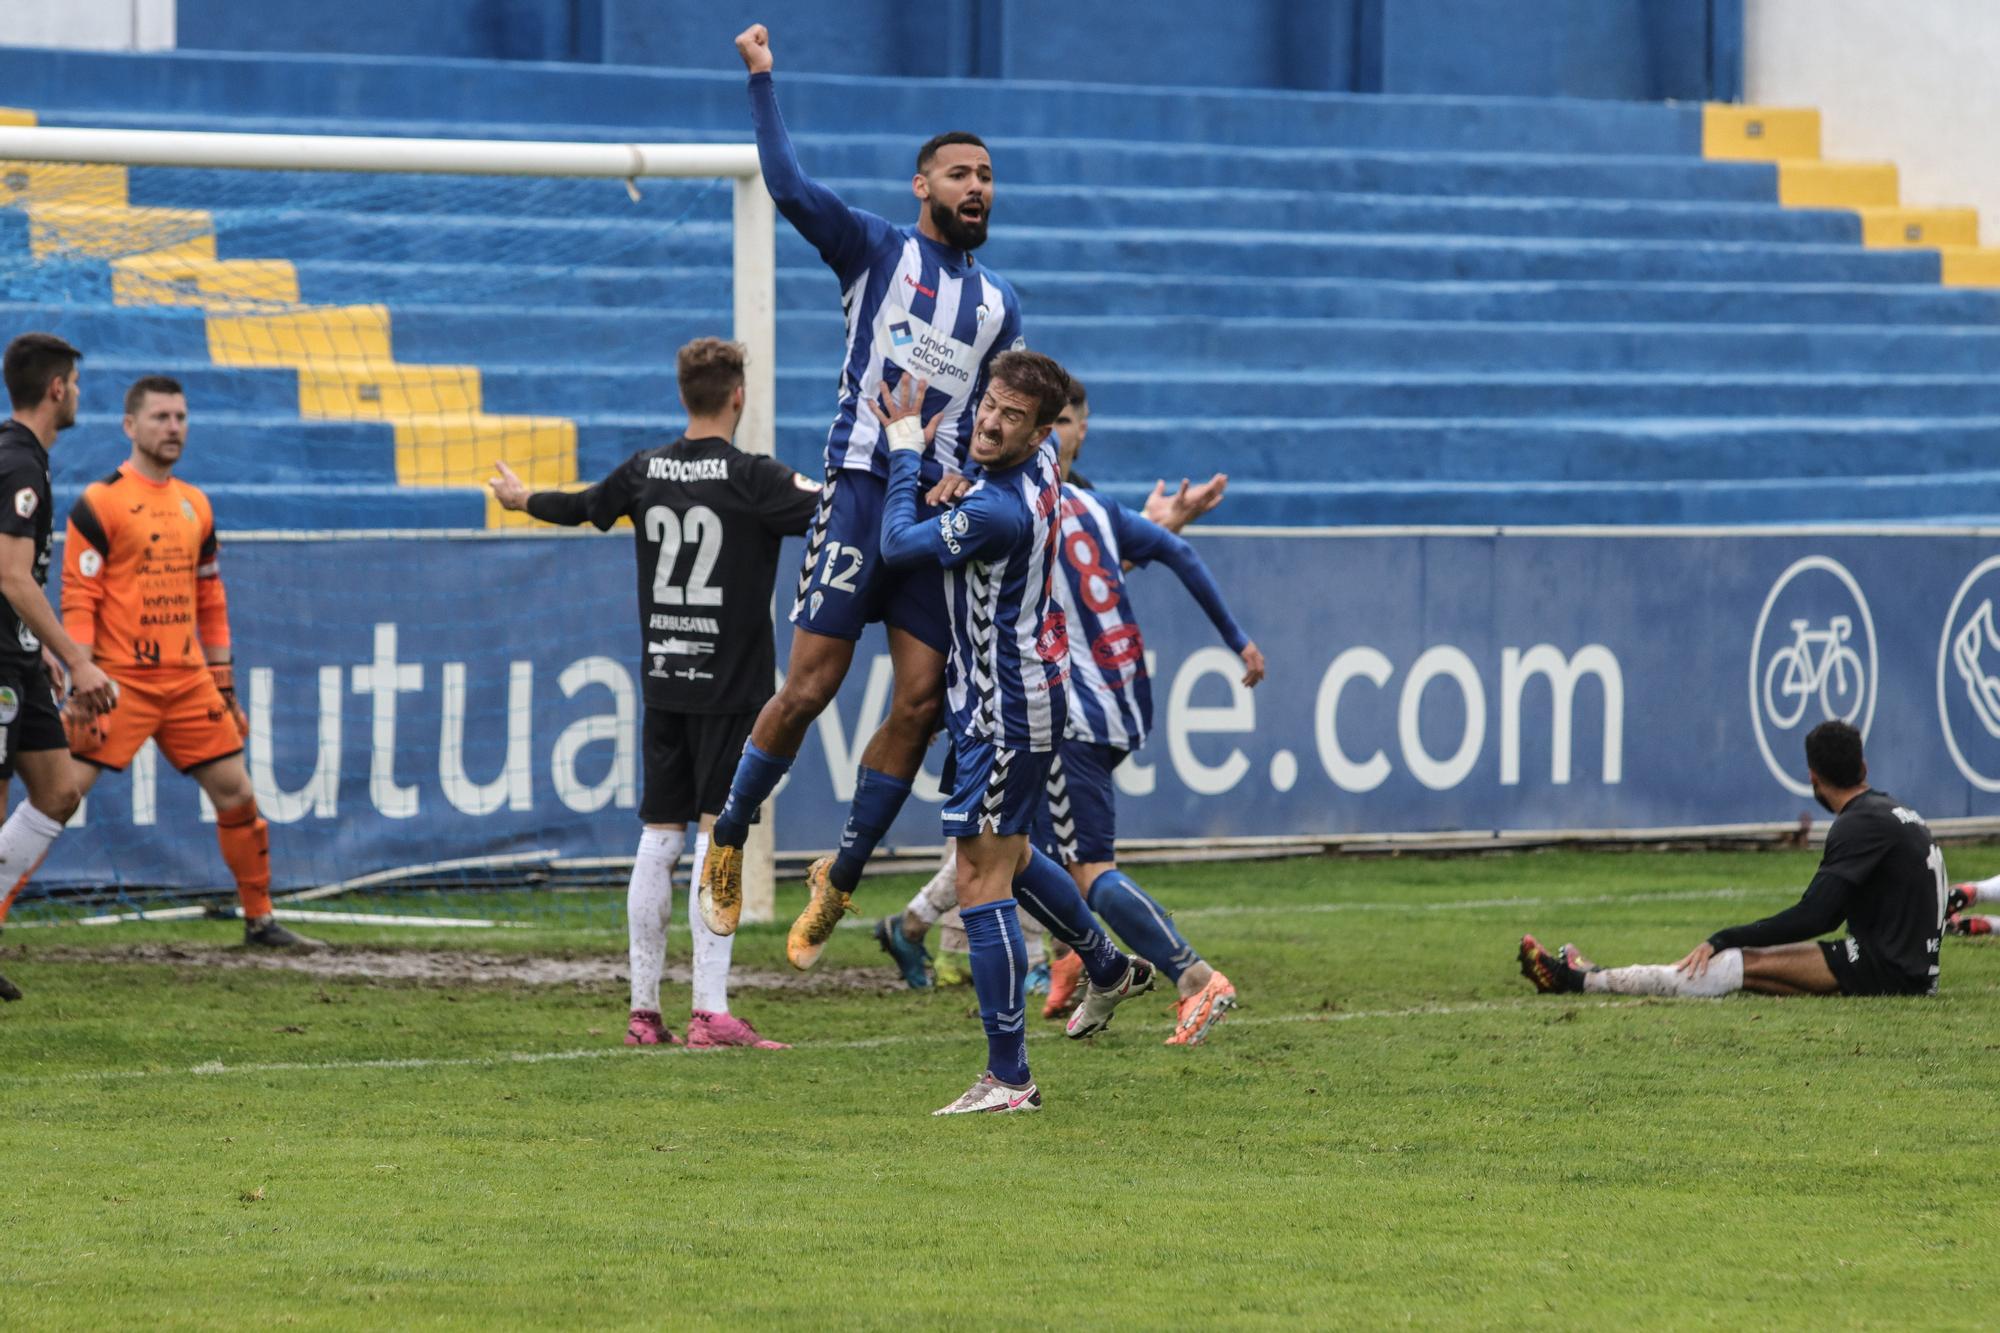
(701, 528)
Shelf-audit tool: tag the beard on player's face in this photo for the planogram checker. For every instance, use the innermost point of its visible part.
(963, 225)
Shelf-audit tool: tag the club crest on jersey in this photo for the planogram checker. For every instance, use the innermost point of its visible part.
(10, 704)
(89, 563)
(1052, 645)
(187, 510)
(26, 501)
(817, 598)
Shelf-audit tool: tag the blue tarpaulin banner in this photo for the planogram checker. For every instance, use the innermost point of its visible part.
(419, 699)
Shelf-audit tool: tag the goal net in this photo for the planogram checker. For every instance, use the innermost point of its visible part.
(444, 701)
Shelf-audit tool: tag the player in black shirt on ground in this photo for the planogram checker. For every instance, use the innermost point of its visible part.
(1881, 874)
(707, 519)
(41, 374)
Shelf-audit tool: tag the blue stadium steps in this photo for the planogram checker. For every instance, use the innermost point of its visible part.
(1369, 310)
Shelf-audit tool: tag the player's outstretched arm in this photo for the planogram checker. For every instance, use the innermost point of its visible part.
(1140, 541)
(954, 537)
(569, 508)
(835, 230)
(1821, 909)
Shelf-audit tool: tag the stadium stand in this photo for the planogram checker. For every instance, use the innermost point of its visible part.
(1369, 309)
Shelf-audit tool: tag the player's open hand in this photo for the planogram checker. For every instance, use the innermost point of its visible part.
(905, 405)
(508, 489)
(754, 45)
(1184, 506)
(951, 488)
(1253, 665)
(91, 690)
(1695, 965)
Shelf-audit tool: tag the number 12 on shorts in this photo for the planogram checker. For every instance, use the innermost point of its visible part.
(841, 567)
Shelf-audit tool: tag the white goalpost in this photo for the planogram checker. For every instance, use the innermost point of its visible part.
(71, 184)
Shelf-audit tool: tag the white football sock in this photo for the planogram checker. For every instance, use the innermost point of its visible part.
(940, 894)
(649, 902)
(711, 951)
(24, 840)
(1724, 977)
(1986, 890)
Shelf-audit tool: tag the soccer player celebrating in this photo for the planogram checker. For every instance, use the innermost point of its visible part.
(1006, 683)
(918, 306)
(40, 371)
(142, 595)
(1881, 873)
(707, 520)
(1111, 711)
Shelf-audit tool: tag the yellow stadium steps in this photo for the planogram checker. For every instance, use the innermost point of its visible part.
(355, 335)
(1903, 228)
(459, 450)
(111, 231)
(25, 183)
(1759, 133)
(1812, 183)
(213, 284)
(334, 390)
(1969, 266)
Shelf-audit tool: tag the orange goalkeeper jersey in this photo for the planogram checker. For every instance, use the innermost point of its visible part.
(140, 582)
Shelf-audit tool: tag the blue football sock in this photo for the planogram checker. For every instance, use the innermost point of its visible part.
(877, 798)
(1143, 924)
(999, 971)
(1048, 894)
(757, 775)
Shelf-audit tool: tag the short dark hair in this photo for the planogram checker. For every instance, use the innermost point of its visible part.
(1833, 750)
(1039, 377)
(135, 397)
(949, 137)
(33, 361)
(1077, 397)
(709, 369)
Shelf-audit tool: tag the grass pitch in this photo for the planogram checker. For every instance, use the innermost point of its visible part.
(1392, 1131)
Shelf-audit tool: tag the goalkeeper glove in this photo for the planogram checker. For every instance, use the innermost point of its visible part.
(84, 732)
(225, 685)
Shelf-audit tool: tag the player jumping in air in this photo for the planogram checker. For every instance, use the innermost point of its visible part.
(1881, 873)
(1008, 701)
(1110, 713)
(40, 370)
(142, 595)
(918, 306)
(707, 519)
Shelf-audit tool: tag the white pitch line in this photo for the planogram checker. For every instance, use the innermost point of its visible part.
(216, 1068)
(1472, 904)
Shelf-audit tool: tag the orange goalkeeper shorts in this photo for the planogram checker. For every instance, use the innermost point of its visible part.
(182, 710)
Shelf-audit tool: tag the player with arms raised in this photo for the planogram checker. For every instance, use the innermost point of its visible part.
(1008, 699)
(707, 519)
(918, 306)
(40, 370)
(142, 594)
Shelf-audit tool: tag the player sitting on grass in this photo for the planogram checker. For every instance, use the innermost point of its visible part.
(142, 594)
(707, 519)
(41, 376)
(917, 305)
(1008, 698)
(1881, 873)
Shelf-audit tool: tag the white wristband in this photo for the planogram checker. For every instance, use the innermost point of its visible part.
(905, 434)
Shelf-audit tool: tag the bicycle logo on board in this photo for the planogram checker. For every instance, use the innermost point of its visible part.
(1812, 658)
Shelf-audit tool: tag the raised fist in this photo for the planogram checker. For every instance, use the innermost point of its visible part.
(754, 45)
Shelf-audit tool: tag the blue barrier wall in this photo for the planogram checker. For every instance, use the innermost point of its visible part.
(1633, 49)
(417, 701)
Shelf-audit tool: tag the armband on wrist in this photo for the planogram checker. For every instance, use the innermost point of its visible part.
(905, 435)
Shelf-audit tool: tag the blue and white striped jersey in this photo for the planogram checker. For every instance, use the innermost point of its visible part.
(1111, 694)
(1005, 681)
(913, 307)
